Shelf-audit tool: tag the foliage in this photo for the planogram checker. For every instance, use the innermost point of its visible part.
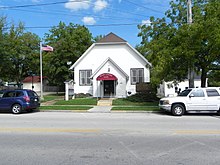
(79, 101)
(143, 97)
(82, 95)
(65, 107)
(214, 78)
(173, 46)
(125, 102)
(19, 51)
(69, 43)
(135, 108)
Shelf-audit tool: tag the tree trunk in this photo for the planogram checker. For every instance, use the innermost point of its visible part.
(203, 78)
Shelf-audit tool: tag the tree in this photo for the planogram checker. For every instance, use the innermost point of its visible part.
(174, 46)
(69, 43)
(19, 50)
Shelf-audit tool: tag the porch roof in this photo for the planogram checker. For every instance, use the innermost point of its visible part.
(106, 76)
(109, 60)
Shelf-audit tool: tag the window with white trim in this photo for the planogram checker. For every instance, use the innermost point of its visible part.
(84, 79)
(137, 75)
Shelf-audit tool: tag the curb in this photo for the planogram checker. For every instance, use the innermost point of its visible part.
(86, 111)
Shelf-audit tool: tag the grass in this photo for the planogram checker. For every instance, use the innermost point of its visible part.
(124, 102)
(136, 108)
(87, 103)
(65, 107)
(51, 97)
(78, 101)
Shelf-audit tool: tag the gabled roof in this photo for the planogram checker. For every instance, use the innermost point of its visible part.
(113, 63)
(111, 37)
(34, 80)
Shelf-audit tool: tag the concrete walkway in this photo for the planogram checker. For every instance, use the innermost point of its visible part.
(103, 106)
(100, 109)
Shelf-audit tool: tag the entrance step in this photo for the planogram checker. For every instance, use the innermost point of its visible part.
(105, 102)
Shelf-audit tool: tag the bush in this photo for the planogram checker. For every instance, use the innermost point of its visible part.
(82, 95)
(143, 97)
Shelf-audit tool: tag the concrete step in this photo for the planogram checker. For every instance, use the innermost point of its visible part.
(105, 102)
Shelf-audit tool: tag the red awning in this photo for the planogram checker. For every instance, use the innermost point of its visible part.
(106, 76)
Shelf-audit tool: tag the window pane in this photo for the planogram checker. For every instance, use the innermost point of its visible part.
(198, 93)
(212, 92)
(137, 75)
(85, 77)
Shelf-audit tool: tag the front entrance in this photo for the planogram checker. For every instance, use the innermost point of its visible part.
(109, 88)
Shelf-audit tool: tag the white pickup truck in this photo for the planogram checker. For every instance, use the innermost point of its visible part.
(195, 99)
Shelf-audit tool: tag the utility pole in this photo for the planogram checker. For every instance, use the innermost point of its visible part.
(189, 21)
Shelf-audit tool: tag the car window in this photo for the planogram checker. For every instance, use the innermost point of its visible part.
(198, 93)
(1, 94)
(19, 93)
(212, 92)
(185, 92)
(32, 93)
(9, 94)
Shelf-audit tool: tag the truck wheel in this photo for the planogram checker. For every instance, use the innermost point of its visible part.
(16, 109)
(218, 112)
(177, 110)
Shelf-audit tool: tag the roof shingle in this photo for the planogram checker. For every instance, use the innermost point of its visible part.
(111, 37)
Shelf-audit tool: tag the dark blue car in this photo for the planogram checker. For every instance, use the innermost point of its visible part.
(19, 100)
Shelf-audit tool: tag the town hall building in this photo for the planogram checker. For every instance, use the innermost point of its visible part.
(110, 67)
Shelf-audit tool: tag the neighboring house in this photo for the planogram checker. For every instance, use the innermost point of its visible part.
(170, 88)
(33, 82)
(110, 68)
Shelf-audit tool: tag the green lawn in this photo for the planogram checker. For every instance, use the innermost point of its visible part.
(65, 107)
(78, 101)
(124, 102)
(136, 108)
(87, 103)
(52, 97)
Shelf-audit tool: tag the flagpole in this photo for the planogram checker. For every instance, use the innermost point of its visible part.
(41, 74)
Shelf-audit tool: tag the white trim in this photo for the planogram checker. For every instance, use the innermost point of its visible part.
(110, 43)
(110, 60)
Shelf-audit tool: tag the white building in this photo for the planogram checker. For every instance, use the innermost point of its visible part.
(33, 83)
(170, 88)
(110, 68)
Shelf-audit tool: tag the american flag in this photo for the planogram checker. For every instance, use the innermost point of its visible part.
(47, 48)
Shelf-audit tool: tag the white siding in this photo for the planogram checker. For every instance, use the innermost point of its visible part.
(122, 55)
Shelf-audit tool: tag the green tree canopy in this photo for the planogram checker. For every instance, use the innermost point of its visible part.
(19, 51)
(173, 46)
(69, 43)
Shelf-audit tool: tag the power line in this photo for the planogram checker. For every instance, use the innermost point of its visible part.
(42, 4)
(138, 5)
(97, 25)
(67, 14)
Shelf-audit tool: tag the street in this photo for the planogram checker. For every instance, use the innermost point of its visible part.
(63, 138)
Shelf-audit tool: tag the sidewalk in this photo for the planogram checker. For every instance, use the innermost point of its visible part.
(103, 106)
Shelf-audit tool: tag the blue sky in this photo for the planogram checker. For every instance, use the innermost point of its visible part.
(100, 16)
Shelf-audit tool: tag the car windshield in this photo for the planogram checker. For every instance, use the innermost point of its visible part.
(1, 94)
(185, 92)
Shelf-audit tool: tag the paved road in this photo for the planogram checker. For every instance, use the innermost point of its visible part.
(56, 138)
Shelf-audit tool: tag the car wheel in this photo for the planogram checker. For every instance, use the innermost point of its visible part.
(218, 112)
(178, 110)
(16, 108)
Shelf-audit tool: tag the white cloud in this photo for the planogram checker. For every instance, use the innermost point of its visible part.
(146, 22)
(88, 20)
(75, 5)
(100, 5)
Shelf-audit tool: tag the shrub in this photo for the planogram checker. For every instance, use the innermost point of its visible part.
(147, 96)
